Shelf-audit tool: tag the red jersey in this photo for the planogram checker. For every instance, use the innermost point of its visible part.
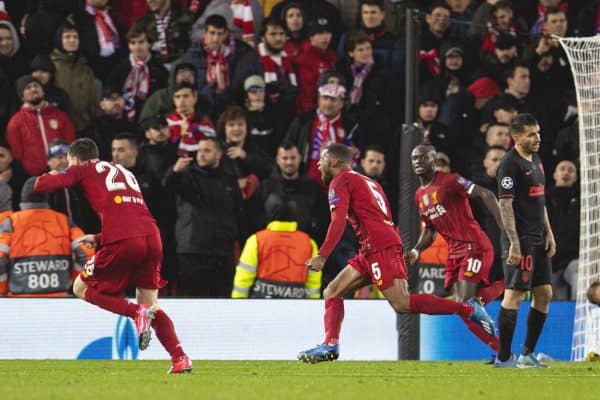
(114, 194)
(363, 202)
(444, 206)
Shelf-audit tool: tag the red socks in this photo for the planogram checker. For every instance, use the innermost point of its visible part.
(334, 315)
(165, 332)
(482, 335)
(491, 292)
(117, 305)
(433, 305)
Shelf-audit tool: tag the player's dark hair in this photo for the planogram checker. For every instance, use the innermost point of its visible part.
(590, 293)
(84, 149)
(273, 22)
(216, 21)
(372, 147)
(130, 137)
(520, 121)
(339, 152)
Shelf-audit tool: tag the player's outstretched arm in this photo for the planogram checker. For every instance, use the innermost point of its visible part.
(425, 240)
(50, 182)
(489, 200)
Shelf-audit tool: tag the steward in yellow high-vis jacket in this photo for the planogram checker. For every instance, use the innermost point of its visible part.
(272, 263)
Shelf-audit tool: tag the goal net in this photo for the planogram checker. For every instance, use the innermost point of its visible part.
(584, 57)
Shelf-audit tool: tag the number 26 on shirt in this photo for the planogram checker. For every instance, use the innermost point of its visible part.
(112, 180)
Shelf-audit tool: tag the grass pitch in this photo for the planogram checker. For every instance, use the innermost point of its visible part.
(249, 380)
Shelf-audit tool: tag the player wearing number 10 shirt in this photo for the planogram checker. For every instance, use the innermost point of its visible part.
(361, 200)
(130, 249)
(442, 202)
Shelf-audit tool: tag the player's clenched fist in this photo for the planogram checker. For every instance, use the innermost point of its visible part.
(316, 263)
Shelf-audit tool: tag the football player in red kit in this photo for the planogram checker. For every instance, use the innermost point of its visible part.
(361, 200)
(442, 202)
(130, 249)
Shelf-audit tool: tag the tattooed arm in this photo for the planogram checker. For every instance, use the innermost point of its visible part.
(510, 227)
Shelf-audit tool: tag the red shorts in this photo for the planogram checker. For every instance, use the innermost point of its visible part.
(134, 261)
(382, 267)
(472, 265)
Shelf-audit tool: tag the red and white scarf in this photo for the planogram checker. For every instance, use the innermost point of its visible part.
(431, 59)
(186, 131)
(489, 43)
(108, 36)
(359, 78)
(217, 66)
(243, 19)
(162, 25)
(325, 130)
(137, 85)
(276, 66)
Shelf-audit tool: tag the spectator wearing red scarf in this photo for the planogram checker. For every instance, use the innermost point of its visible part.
(222, 63)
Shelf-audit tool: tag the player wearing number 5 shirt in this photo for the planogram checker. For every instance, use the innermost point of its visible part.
(361, 200)
(130, 249)
(528, 241)
(442, 202)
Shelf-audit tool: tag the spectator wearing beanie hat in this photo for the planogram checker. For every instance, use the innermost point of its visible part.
(315, 58)
(313, 10)
(34, 126)
(43, 70)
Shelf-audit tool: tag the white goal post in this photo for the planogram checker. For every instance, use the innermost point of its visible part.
(584, 57)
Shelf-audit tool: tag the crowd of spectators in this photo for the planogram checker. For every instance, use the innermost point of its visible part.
(220, 109)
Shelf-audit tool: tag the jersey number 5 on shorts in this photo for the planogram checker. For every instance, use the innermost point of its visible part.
(113, 173)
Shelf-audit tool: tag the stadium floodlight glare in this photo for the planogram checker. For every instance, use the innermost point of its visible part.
(584, 57)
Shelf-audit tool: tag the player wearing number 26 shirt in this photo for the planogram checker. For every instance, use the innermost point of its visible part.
(361, 200)
(130, 249)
